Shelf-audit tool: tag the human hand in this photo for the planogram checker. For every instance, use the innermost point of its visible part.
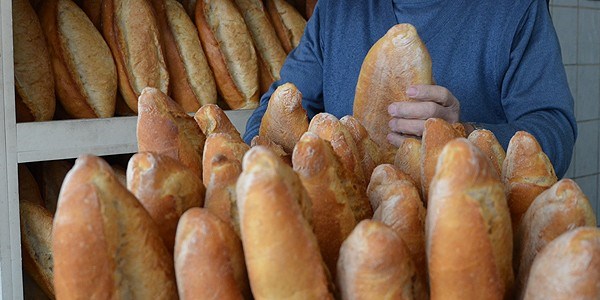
(430, 101)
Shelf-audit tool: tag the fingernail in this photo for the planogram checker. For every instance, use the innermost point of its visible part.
(411, 92)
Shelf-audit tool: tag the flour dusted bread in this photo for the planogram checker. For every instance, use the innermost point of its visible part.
(36, 245)
(163, 127)
(368, 151)
(486, 141)
(221, 144)
(209, 261)
(285, 119)
(375, 264)
(34, 79)
(105, 244)
(277, 149)
(132, 33)
(221, 197)
(85, 73)
(288, 23)
(526, 173)
(281, 263)
(399, 59)
(555, 211)
(568, 267)
(212, 119)
(230, 52)
(468, 230)
(408, 160)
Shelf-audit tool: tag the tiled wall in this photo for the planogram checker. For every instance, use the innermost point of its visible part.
(577, 24)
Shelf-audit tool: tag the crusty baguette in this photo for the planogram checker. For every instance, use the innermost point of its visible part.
(192, 82)
(468, 231)
(36, 245)
(288, 23)
(526, 173)
(166, 189)
(486, 141)
(29, 189)
(285, 119)
(567, 268)
(93, 9)
(375, 264)
(52, 175)
(132, 33)
(212, 119)
(399, 59)
(281, 263)
(34, 79)
(221, 198)
(408, 160)
(321, 175)
(230, 52)
(221, 144)
(368, 150)
(310, 7)
(276, 148)
(385, 174)
(190, 7)
(209, 262)
(164, 128)
(105, 244)
(559, 209)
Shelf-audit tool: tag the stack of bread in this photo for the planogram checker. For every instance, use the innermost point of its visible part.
(315, 210)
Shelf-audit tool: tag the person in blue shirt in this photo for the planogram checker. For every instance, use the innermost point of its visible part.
(496, 64)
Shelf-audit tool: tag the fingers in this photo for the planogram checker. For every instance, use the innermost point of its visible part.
(416, 110)
(413, 127)
(435, 93)
(397, 139)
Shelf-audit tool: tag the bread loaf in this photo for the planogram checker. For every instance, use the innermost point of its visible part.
(375, 264)
(408, 160)
(277, 149)
(310, 7)
(105, 244)
(29, 190)
(221, 144)
(559, 209)
(386, 175)
(166, 189)
(288, 23)
(132, 33)
(568, 267)
(369, 153)
(34, 79)
(163, 127)
(526, 173)
(191, 81)
(221, 198)
(486, 141)
(230, 52)
(399, 59)
(93, 9)
(285, 119)
(209, 261)
(52, 175)
(190, 7)
(320, 173)
(85, 73)
(36, 245)
(212, 119)
(281, 263)
(468, 231)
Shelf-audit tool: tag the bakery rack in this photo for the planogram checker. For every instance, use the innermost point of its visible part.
(42, 141)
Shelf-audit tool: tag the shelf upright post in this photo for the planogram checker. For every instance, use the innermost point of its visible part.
(11, 282)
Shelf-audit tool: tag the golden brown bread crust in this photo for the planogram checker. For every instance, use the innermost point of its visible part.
(212, 119)
(285, 120)
(209, 262)
(277, 149)
(436, 135)
(321, 175)
(93, 9)
(221, 144)
(29, 190)
(84, 69)
(375, 264)
(52, 175)
(486, 141)
(221, 198)
(166, 189)
(526, 173)
(132, 33)
(368, 150)
(281, 263)
(468, 231)
(559, 209)
(34, 79)
(399, 59)
(164, 128)
(408, 160)
(230, 52)
(568, 267)
(105, 244)
(385, 173)
(288, 23)
(36, 245)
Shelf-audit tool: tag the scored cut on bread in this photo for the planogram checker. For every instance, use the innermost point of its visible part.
(212, 119)
(221, 197)
(288, 23)
(486, 141)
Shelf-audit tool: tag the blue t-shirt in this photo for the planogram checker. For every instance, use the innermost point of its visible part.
(500, 58)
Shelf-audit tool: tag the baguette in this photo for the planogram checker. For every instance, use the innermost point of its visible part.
(105, 244)
(468, 231)
(36, 245)
(375, 264)
(277, 149)
(132, 33)
(221, 144)
(52, 175)
(221, 198)
(555, 211)
(399, 59)
(212, 119)
(190, 7)
(281, 263)
(385, 174)
(164, 128)
(93, 9)
(34, 80)
(408, 160)
(86, 76)
(486, 141)
(288, 23)
(285, 119)
(526, 173)
(230, 52)
(320, 172)
(209, 261)
(29, 190)
(567, 268)
(369, 153)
